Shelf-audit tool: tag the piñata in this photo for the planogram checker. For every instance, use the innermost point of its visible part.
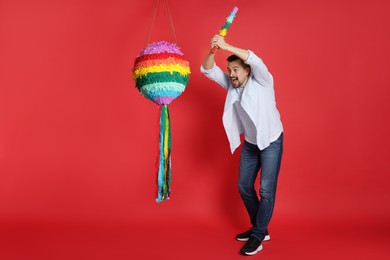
(161, 73)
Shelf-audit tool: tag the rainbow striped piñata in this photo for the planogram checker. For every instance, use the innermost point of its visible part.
(161, 74)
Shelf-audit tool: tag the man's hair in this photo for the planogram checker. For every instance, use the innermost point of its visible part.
(234, 58)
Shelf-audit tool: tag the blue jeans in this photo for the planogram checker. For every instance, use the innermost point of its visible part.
(253, 159)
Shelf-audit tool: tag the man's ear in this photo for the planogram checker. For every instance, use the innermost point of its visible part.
(248, 70)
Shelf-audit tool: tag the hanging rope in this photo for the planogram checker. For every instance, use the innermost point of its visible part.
(169, 20)
(151, 25)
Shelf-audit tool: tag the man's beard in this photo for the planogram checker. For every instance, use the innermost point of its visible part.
(235, 82)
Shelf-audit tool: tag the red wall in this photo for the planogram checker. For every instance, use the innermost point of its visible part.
(78, 143)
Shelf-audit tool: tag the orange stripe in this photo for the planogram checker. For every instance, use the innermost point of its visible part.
(168, 61)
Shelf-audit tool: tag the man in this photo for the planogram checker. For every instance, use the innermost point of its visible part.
(250, 109)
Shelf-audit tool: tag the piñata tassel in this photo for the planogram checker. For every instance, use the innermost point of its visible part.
(164, 171)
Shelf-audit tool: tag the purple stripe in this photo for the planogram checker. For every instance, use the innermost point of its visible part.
(163, 100)
(160, 47)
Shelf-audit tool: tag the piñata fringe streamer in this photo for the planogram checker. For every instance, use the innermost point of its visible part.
(164, 171)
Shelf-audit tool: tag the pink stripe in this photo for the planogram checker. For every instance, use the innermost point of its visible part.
(164, 100)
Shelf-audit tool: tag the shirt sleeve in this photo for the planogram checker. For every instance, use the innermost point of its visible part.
(259, 70)
(217, 75)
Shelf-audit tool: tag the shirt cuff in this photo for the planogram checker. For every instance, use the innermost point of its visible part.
(203, 70)
(249, 60)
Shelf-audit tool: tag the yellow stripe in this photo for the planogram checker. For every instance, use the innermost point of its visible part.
(184, 71)
(166, 135)
(166, 148)
(223, 32)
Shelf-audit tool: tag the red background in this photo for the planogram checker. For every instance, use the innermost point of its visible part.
(79, 144)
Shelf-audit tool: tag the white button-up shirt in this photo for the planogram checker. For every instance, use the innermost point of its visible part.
(257, 100)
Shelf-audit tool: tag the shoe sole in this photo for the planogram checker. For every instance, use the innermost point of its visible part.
(266, 238)
(254, 252)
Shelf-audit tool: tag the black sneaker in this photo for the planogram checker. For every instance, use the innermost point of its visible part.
(267, 237)
(245, 236)
(251, 247)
